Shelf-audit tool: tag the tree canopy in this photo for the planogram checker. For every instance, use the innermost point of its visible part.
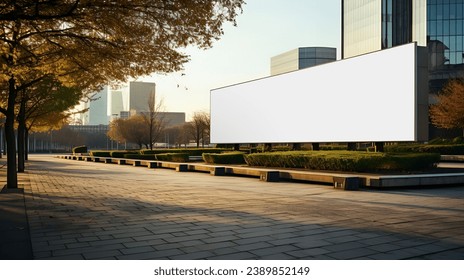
(107, 40)
(89, 43)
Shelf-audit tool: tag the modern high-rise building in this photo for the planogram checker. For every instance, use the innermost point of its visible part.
(97, 109)
(301, 58)
(372, 25)
(139, 94)
(115, 103)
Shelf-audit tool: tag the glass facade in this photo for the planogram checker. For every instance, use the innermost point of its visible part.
(309, 57)
(445, 25)
(372, 25)
(396, 23)
(437, 24)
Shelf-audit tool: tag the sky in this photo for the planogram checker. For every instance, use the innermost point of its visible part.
(265, 28)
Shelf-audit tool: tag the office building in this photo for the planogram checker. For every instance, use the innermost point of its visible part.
(170, 119)
(372, 25)
(301, 58)
(115, 104)
(139, 94)
(97, 109)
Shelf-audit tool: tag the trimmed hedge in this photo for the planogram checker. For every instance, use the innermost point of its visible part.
(100, 153)
(176, 157)
(121, 154)
(190, 152)
(344, 160)
(79, 150)
(442, 149)
(225, 158)
(138, 156)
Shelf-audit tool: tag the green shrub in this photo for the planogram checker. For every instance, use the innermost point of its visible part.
(344, 160)
(176, 157)
(443, 149)
(121, 154)
(224, 158)
(138, 156)
(190, 152)
(100, 153)
(79, 150)
(155, 151)
(332, 147)
(458, 140)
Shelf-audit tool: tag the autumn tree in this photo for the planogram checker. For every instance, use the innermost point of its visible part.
(177, 135)
(154, 119)
(42, 107)
(448, 111)
(132, 130)
(199, 128)
(86, 43)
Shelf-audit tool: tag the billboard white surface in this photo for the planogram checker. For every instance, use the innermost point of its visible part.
(366, 98)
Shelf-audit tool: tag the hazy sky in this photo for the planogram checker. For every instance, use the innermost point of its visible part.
(265, 28)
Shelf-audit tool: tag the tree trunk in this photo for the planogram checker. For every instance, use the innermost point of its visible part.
(21, 137)
(12, 176)
(4, 140)
(26, 144)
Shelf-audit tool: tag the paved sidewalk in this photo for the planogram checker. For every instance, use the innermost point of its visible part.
(87, 210)
(15, 242)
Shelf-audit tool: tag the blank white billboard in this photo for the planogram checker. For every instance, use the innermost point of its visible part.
(368, 98)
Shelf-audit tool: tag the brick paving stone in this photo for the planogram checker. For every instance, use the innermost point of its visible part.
(273, 250)
(344, 246)
(352, 254)
(307, 243)
(252, 240)
(279, 256)
(65, 257)
(194, 256)
(101, 254)
(220, 239)
(308, 253)
(137, 250)
(64, 252)
(235, 256)
(382, 248)
(110, 241)
(253, 246)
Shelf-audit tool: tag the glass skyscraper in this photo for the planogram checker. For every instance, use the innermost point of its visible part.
(372, 25)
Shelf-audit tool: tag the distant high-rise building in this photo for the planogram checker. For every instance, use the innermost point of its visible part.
(115, 104)
(123, 103)
(301, 58)
(139, 94)
(97, 109)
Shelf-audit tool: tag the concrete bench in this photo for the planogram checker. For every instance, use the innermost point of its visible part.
(211, 169)
(152, 164)
(133, 162)
(179, 167)
(269, 176)
(349, 183)
(263, 174)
